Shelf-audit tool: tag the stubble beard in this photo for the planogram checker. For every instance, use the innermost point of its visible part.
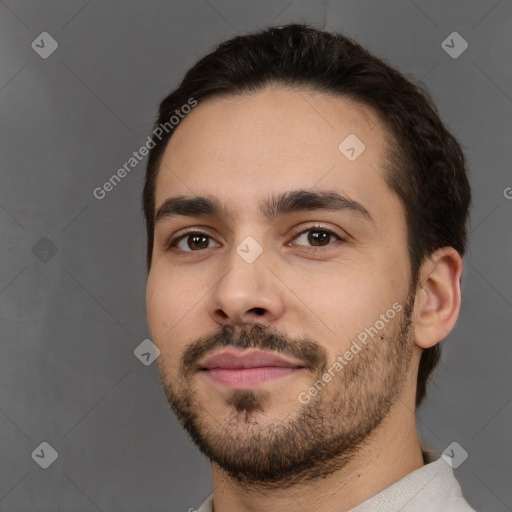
(316, 438)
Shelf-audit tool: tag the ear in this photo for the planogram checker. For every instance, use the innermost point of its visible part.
(438, 297)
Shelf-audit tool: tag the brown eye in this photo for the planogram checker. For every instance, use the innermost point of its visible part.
(317, 237)
(192, 242)
(197, 241)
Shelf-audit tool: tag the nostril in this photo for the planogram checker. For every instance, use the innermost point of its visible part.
(258, 311)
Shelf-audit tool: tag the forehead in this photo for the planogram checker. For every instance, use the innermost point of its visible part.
(272, 141)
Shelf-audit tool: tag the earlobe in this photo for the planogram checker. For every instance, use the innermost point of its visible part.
(438, 297)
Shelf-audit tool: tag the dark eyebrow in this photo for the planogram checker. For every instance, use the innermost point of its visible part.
(190, 207)
(275, 206)
(302, 200)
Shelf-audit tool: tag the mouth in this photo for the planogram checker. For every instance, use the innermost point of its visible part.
(244, 369)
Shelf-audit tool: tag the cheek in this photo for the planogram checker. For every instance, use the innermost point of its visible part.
(163, 321)
(159, 300)
(169, 303)
(342, 303)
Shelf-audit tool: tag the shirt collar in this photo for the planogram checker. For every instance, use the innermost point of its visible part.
(432, 483)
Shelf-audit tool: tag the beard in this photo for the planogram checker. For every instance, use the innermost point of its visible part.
(316, 438)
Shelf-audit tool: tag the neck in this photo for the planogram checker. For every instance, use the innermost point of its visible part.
(392, 452)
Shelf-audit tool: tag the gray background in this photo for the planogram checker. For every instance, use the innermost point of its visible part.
(70, 321)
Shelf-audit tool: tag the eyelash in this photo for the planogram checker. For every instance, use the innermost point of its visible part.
(172, 243)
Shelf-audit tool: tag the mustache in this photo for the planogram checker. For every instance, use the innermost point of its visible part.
(257, 336)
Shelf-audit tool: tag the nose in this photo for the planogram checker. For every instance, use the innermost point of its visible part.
(247, 293)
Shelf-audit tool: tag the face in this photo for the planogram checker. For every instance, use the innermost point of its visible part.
(281, 301)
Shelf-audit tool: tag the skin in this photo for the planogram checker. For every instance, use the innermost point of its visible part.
(242, 149)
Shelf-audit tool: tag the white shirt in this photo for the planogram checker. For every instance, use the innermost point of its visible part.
(432, 488)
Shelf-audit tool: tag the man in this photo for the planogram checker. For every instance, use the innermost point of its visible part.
(306, 217)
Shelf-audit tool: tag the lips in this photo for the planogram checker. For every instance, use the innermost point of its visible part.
(249, 358)
(235, 369)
